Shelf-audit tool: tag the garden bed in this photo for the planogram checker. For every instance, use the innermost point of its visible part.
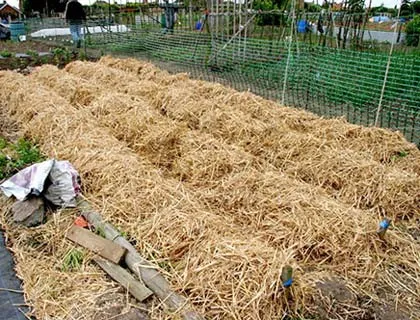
(222, 190)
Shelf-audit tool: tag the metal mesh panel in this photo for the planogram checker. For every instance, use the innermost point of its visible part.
(328, 81)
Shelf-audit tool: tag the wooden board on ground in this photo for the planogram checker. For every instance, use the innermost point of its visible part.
(123, 277)
(97, 244)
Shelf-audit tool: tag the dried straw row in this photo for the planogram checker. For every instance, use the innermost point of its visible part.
(219, 217)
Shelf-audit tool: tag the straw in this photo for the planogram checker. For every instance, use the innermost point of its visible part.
(221, 189)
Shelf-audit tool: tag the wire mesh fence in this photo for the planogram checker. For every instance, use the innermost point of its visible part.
(271, 60)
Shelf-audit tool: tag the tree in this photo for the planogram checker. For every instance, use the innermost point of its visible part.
(413, 32)
(406, 10)
(43, 6)
(310, 7)
(380, 9)
(416, 7)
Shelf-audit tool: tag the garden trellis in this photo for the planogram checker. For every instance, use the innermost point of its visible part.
(263, 51)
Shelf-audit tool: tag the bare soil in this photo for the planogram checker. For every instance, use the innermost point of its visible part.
(23, 47)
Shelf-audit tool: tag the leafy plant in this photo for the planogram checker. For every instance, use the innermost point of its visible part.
(82, 55)
(61, 55)
(73, 260)
(27, 153)
(14, 157)
(399, 155)
(32, 53)
(5, 54)
(413, 32)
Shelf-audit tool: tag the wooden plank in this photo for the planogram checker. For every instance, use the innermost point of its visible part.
(119, 274)
(97, 244)
(145, 270)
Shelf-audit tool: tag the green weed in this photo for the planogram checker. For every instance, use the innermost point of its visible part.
(5, 54)
(14, 157)
(73, 260)
(27, 153)
(100, 232)
(32, 53)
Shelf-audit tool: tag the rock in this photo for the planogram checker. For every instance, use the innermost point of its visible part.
(133, 314)
(30, 212)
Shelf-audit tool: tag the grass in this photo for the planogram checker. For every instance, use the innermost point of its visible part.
(16, 156)
(100, 232)
(73, 260)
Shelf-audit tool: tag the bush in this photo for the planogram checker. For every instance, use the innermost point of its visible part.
(413, 32)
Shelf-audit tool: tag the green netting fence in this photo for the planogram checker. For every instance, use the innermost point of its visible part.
(328, 81)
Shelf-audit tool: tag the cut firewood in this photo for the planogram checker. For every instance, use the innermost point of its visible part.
(104, 247)
(123, 277)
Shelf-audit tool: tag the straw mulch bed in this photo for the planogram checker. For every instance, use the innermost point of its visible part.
(221, 189)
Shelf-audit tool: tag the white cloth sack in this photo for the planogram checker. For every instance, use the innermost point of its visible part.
(59, 177)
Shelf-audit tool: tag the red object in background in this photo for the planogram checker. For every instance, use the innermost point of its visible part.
(81, 222)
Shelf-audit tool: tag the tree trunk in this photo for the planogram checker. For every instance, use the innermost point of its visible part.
(365, 21)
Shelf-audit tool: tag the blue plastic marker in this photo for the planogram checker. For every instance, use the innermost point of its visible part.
(383, 227)
(287, 276)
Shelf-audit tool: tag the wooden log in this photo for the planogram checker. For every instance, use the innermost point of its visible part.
(119, 274)
(140, 266)
(97, 244)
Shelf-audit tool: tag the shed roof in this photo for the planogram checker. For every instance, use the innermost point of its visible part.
(5, 4)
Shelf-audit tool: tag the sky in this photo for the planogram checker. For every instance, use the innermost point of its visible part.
(375, 3)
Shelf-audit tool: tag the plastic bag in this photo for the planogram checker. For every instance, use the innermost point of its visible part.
(59, 179)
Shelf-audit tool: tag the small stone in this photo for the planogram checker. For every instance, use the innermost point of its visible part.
(133, 314)
(30, 212)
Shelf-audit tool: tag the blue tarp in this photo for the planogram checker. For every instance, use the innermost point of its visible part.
(10, 302)
(381, 19)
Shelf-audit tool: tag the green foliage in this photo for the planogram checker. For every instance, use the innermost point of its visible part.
(265, 5)
(72, 261)
(273, 18)
(413, 32)
(41, 5)
(5, 54)
(82, 55)
(380, 9)
(416, 7)
(32, 53)
(399, 155)
(406, 10)
(61, 55)
(312, 7)
(3, 143)
(14, 157)
(27, 153)
(27, 6)
(100, 232)
(356, 5)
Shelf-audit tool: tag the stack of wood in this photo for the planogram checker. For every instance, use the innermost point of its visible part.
(144, 280)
